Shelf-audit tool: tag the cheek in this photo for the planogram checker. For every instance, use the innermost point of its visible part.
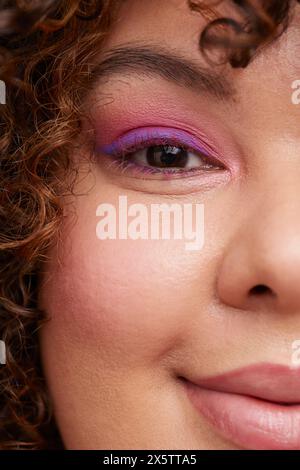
(124, 296)
(134, 299)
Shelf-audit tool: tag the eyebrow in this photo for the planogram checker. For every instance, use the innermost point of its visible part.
(154, 60)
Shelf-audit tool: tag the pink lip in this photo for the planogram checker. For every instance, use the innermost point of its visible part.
(256, 407)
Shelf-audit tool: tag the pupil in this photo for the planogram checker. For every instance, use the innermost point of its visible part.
(166, 156)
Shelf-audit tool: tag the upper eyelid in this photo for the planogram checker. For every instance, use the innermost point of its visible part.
(141, 143)
(178, 136)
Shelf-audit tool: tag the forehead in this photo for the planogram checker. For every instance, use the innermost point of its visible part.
(263, 89)
(174, 23)
(158, 20)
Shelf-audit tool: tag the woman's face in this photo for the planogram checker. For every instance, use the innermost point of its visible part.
(130, 319)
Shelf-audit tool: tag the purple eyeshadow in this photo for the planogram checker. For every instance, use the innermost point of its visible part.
(152, 135)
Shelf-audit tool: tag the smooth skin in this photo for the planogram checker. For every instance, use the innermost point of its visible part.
(128, 317)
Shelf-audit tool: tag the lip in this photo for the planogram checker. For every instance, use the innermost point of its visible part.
(256, 407)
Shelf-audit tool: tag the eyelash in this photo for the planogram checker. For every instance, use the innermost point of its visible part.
(122, 152)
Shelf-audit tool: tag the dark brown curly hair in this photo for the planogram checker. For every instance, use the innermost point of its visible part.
(47, 49)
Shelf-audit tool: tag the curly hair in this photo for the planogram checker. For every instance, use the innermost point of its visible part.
(47, 48)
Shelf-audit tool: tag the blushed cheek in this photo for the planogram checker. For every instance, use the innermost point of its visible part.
(123, 297)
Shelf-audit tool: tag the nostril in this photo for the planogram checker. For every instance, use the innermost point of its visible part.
(261, 289)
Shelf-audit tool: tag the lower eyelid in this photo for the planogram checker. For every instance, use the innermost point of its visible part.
(162, 183)
(126, 168)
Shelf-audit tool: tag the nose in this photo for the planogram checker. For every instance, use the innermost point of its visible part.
(261, 266)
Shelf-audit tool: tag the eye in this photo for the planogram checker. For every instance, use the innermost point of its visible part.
(162, 152)
(169, 156)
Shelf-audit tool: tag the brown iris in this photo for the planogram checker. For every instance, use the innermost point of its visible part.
(164, 156)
